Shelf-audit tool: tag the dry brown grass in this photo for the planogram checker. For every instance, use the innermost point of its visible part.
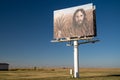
(47, 73)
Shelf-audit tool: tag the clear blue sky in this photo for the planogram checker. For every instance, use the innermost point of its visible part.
(26, 29)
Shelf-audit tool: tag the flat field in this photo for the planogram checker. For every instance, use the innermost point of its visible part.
(61, 74)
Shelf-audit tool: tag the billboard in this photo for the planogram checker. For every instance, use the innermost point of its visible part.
(78, 21)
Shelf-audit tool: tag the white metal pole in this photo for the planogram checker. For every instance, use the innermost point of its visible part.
(76, 60)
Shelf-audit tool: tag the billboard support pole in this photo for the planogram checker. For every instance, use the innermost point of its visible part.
(76, 52)
(76, 59)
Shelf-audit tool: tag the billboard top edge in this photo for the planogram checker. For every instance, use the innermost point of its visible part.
(80, 6)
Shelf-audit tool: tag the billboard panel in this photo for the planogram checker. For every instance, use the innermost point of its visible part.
(78, 21)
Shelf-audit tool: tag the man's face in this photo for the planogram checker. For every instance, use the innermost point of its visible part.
(79, 17)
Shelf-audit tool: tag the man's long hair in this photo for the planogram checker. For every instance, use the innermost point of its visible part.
(74, 21)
